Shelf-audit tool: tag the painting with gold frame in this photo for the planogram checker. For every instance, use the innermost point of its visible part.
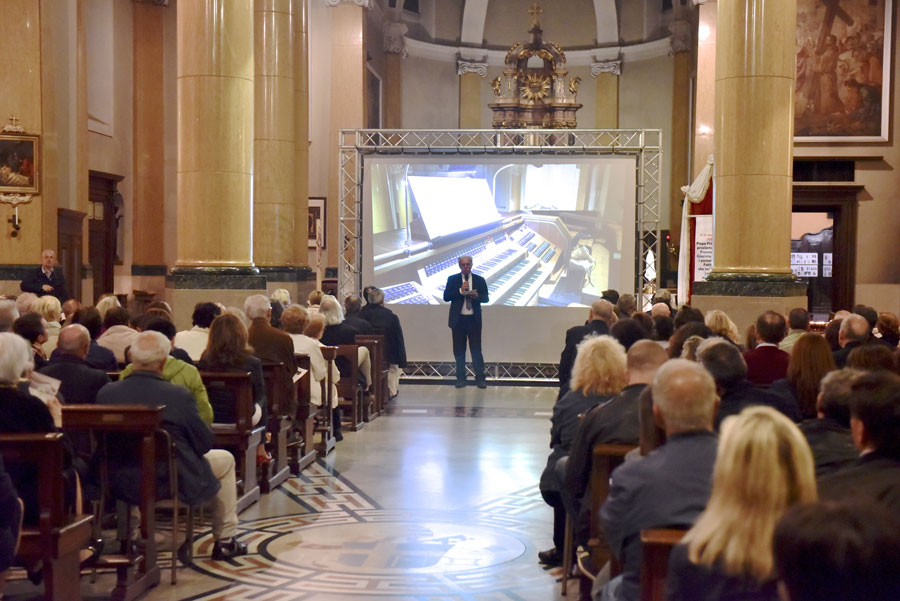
(843, 88)
(19, 164)
(316, 224)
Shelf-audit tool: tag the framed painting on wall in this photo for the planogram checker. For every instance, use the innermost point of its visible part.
(19, 164)
(842, 92)
(316, 224)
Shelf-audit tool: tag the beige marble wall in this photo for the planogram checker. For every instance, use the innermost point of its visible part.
(301, 129)
(680, 134)
(754, 136)
(606, 102)
(470, 85)
(273, 134)
(215, 132)
(392, 92)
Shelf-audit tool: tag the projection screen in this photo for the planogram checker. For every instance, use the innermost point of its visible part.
(548, 233)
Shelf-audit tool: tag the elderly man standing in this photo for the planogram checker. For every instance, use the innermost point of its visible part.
(45, 279)
(465, 291)
(204, 474)
(271, 344)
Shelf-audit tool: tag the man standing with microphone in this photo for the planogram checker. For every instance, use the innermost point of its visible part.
(465, 291)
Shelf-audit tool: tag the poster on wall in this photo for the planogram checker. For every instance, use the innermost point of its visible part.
(842, 90)
(703, 246)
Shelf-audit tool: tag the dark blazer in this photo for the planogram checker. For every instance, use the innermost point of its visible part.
(361, 325)
(840, 355)
(80, 382)
(667, 488)
(831, 444)
(563, 428)
(222, 401)
(192, 438)
(874, 477)
(337, 334)
(98, 357)
(744, 394)
(35, 279)
(574, 336)
(387, 321)
(274, 346)
(456, 300)
(687, 581)
(765, 364)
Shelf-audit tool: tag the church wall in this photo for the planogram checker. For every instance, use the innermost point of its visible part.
(631, 21)
(569, 24)
(170, 125)
(430, 94)
(447, 21)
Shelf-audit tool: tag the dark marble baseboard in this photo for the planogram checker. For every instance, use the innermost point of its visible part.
(216, 278)
(331, 272)
(149, 270)
(749, 288)
(16, 272)
(288, 273)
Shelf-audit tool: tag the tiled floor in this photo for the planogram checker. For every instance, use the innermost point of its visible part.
(437, 501)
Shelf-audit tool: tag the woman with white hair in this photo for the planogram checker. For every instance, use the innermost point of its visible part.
(337, 333)
(306, 330)
(282, 296)
(107, 302)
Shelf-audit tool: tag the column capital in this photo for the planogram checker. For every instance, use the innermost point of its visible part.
(614, 67)
(463, 67)
(394, 33)
(333, 3)
(681, 37)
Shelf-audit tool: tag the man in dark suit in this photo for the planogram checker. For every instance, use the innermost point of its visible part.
(875, 426)
(352, 317)
(723, 360)
(669, 487)
(854, 333)
(271, 344)
(204, 474)
(600, 318)
(465, 291)
(45, 279)
(79, 381)
(767, 363)
(829, 435)
(386, 321)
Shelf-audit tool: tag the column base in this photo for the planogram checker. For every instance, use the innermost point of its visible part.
(187, 286)
(299, 281)
(744, 300)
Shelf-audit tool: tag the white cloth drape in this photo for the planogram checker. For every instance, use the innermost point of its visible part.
(692, 194)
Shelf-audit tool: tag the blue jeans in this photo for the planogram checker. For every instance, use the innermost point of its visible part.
(467, 330)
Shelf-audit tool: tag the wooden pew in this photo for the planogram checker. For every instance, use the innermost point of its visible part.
(57, 538)
(376, 345)
(325, 427)
(134, 573)
(657, 546)
(350, 393)
(240, 437)
(277, 471)
(303, 452)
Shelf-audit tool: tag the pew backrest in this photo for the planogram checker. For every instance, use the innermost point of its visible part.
(239, 386)
(656, 545)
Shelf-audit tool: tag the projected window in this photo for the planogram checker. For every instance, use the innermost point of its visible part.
(551, 187)
(452, 204)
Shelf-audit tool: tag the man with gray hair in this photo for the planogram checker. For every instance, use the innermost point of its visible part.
(80, 382)
(600, 318)
(854, 333)
(8, 314)
(465, 291)
(829, 434)
(385, 320)
(25, 302)
(271, 345)
(671, 485)
(204, 474)
(352, 317)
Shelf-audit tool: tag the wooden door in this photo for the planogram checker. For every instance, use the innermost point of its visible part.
(68, 245)
(105, 206)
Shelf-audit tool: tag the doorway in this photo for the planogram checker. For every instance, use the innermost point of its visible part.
(104, 211)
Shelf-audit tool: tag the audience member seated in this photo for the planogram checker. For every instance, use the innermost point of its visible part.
(33, 328)
(49, 308)
(386, 321)
(98, 357)
(611, 296)
(194, 341)
(798, 324)
(687, 314)
(271, 345)
(282, 295)
(872, 357)
(663, 328)
(8, 314)
(832, 334)
(79, 382)
(25, 302)
(763, 467)
(338, 332)
(117, 333)
(598, 375)
(68, 310)
(840, 552)
(766, 362)
(854, 333)
(228, 350)
(105, 303)
(177, 371)
(691, 346)
(204, 474)
(628, 331)
(661, 310)
(625, 306)
(889, 327)
(307, 342)
(829, 435)
(645, 321)
(810, 360)
(875, 424)
(277, 310)
(676, 341)
(352, 317)
(671, 485)
(614, 422)
(664, 296)
(724, 362)
(720, 324)
(600, 317)
(313, 300)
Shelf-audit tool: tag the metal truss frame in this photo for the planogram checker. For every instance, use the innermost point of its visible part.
(356, 145)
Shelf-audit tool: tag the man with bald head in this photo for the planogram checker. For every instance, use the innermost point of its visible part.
(613, 422)
(660, 310)
(600, 318)
(80, 381)
(670, 486)
(854, 333)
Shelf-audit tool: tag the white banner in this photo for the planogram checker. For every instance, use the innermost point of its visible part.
(703, 246)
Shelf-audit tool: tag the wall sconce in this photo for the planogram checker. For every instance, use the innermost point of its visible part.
(16, 223)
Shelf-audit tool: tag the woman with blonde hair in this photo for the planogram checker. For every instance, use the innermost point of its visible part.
(308, 342)
(313, 300)
(107, 302)
(721, 325)
(763, 467)
(282, 295)
(50, 309)
(597, 375)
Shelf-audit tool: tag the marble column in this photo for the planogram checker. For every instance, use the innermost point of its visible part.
(148, 269)
(274, 134)
(471, 82)
(606, 110)
(215, 156)
(392, 86)
(705, 87)
(754, 146)
(682, 66)
(298, 289)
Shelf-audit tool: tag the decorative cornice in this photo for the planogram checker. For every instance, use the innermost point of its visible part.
(681, 37)
(614, 67)
(463, 67)
(333, 3)
(394, 34)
